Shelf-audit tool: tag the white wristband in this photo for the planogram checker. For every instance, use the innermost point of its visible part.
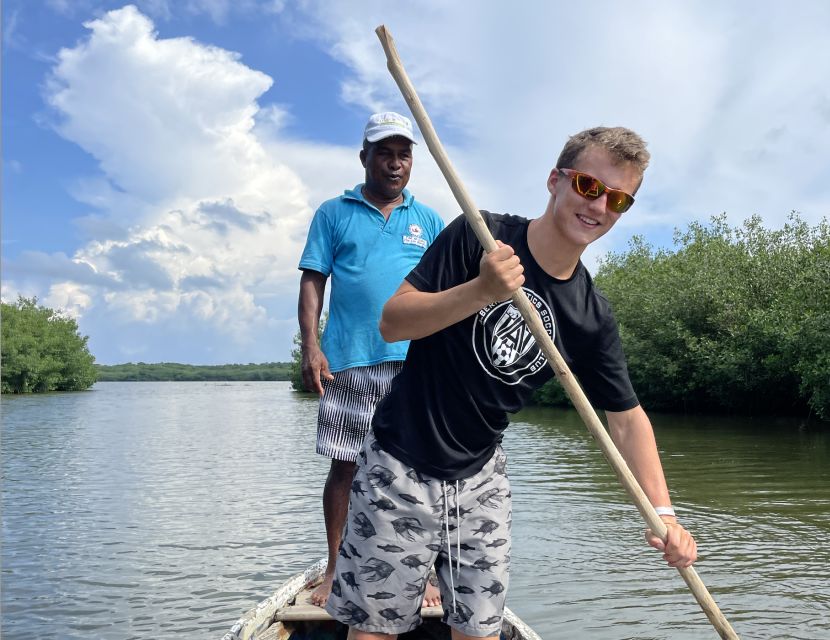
(665, 511)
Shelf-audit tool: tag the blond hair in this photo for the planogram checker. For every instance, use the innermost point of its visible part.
(623, 144)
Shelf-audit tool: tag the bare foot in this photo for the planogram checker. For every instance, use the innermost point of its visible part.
(432, 596)
(321, 593)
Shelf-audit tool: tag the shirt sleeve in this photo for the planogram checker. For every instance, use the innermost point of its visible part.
(318, 254)
(449, 261)
(603, 371)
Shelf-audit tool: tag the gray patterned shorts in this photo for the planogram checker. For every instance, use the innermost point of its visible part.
(400, 523)
(347, 407)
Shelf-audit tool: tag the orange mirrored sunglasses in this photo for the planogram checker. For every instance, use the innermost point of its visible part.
(592, 188)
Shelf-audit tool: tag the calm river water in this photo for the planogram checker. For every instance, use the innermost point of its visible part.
(162, 510)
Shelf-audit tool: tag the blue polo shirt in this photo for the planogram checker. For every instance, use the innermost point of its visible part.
(367, 257)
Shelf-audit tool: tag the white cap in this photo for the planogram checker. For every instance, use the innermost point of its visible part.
(388, 124)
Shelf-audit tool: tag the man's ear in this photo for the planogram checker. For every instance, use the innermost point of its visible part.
(363, 157)
(552, 179)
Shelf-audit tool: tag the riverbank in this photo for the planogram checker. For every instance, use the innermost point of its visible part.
(175, 372)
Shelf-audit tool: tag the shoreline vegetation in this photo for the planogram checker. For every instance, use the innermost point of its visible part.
(42, 350)
(733, 320)
(176, 372)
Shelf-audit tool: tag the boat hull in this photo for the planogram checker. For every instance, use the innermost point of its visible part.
(259, 623)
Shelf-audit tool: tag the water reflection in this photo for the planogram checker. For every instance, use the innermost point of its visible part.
(755, 494)
(148, 510)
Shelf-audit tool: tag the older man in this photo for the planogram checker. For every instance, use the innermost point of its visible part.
(367, 240)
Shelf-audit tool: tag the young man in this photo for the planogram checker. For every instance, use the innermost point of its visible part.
(367, 240)
(431, 484)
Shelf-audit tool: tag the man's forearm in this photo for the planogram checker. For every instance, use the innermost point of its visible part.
(309, 325)
(411, 314)
(310, 306)
(633, 434)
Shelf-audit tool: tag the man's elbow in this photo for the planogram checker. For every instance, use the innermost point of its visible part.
(388, 330)
(395, 319)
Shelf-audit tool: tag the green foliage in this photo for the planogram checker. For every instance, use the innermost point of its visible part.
(296, 365)
(42, 350)
(551, 394)
(175, 372)
(297, 356)
(736, 319)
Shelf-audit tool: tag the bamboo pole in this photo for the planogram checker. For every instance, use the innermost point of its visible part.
(534, 323)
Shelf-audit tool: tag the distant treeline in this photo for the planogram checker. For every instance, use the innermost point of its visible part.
(175, 372)
(735, 320)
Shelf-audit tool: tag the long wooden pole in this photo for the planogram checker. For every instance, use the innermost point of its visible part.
(534, 323)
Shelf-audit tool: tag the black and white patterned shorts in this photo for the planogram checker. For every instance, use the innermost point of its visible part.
(347, 407)
(400, 523)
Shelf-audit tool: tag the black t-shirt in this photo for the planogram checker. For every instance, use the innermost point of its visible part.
(447, 409)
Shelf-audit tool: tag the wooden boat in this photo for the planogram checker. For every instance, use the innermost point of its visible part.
(286, 615)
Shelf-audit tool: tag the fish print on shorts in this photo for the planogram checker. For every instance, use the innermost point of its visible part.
(355, 614)
(365, 529)
(380, 477)
(487, 527)
(397, 529)
(384, 504)
(375, 570)
(408, 528)
(357, 488)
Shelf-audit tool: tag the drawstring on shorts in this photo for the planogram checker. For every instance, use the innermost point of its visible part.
(457, 536)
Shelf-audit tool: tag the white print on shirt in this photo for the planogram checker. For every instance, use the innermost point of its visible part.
(503, 344)
(419, 242)
(414, 236)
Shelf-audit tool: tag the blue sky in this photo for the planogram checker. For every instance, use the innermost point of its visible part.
(162, 160)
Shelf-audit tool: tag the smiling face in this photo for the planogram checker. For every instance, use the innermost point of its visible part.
(577, 220)
(388, 163)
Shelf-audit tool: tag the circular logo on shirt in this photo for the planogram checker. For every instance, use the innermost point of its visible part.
(503, 344)
(415, 229)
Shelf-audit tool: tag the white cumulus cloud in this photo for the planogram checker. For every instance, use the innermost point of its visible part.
(204, 224)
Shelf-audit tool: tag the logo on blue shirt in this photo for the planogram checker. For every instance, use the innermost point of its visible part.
(414, 236)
